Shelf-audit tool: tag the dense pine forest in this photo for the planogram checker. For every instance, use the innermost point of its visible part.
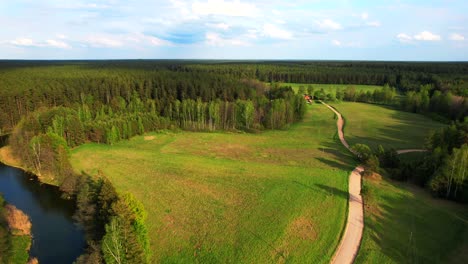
(177, 90)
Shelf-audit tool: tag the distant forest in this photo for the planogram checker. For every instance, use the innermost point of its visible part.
(162, 85)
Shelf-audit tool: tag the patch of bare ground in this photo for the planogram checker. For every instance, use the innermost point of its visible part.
(231, 150)
(301, 228)
(6, 156)
(18, 221)
(33, 261)
(202, 188)
(375, 177)
(149, 138)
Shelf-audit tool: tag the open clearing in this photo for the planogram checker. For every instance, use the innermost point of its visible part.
(376, 125)
(234, 197)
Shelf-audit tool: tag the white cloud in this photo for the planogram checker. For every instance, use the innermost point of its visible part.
(373, 24)
(273, 31)
(132, 40)
(103, 42)
(404, 38)
(82, 6)
(252, 34)
(27, 42)
(153, 41)
(222, 26)
(457, 37)
(336, 43)
(328, 24)
(351, 44)
(423, 36)
(427, 36)
(23, 42)
(57, 44)
(225, 8)
(214, 39)
(364, 16)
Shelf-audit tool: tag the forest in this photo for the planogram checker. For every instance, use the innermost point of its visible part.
(51, 107)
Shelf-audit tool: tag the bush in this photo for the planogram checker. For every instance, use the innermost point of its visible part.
(362, 152)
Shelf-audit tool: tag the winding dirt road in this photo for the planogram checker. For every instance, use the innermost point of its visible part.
(349, 245)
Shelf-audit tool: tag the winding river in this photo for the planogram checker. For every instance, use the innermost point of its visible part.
(56, 238)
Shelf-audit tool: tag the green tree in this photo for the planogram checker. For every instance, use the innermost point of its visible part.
(362, 152)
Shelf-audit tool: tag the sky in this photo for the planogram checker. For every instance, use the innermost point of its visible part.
(419, 30)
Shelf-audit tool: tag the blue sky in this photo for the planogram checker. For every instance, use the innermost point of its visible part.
(234, 29)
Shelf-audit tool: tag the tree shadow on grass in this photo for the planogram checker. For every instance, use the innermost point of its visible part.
(409, 130)
(324, 188)
(332, 190)
(334, 164)
(405, 229)
(337, 156)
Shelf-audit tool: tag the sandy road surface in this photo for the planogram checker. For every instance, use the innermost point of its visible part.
(348, 248)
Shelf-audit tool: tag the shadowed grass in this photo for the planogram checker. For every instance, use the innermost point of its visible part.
(235, 197)
(373, 125)
(404, 225)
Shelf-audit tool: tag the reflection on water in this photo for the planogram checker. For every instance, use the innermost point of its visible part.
(56, 239)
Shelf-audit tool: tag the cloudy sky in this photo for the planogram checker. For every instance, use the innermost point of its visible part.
(234, 29)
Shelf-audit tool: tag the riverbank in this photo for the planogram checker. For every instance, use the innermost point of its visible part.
(51, 217)
(7, 158)
(15, 234)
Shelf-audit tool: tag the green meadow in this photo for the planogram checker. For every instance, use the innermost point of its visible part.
(403, 224)
(376, 125)
(276, 196)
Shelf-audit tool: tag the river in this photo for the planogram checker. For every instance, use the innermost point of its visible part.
(56, 238)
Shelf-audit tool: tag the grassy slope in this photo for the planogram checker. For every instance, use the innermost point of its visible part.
(373, 125)
(402, 223)
(239, 198)
(405, 225)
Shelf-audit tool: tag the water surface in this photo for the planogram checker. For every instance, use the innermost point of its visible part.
(56, 238)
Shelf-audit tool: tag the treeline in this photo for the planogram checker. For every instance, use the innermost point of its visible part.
(405, 76)
(26, 90)
(384, 95)
(442, 169)
(114, 224)
(442, 106)
(429, 100)
(30, 85)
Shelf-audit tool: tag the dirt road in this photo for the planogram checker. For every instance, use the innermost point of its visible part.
(351, 240)
(348, 248)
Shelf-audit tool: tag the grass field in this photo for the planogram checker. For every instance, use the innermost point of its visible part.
(278, 196)
(373, 125)
(403, 224)
(331, 88)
